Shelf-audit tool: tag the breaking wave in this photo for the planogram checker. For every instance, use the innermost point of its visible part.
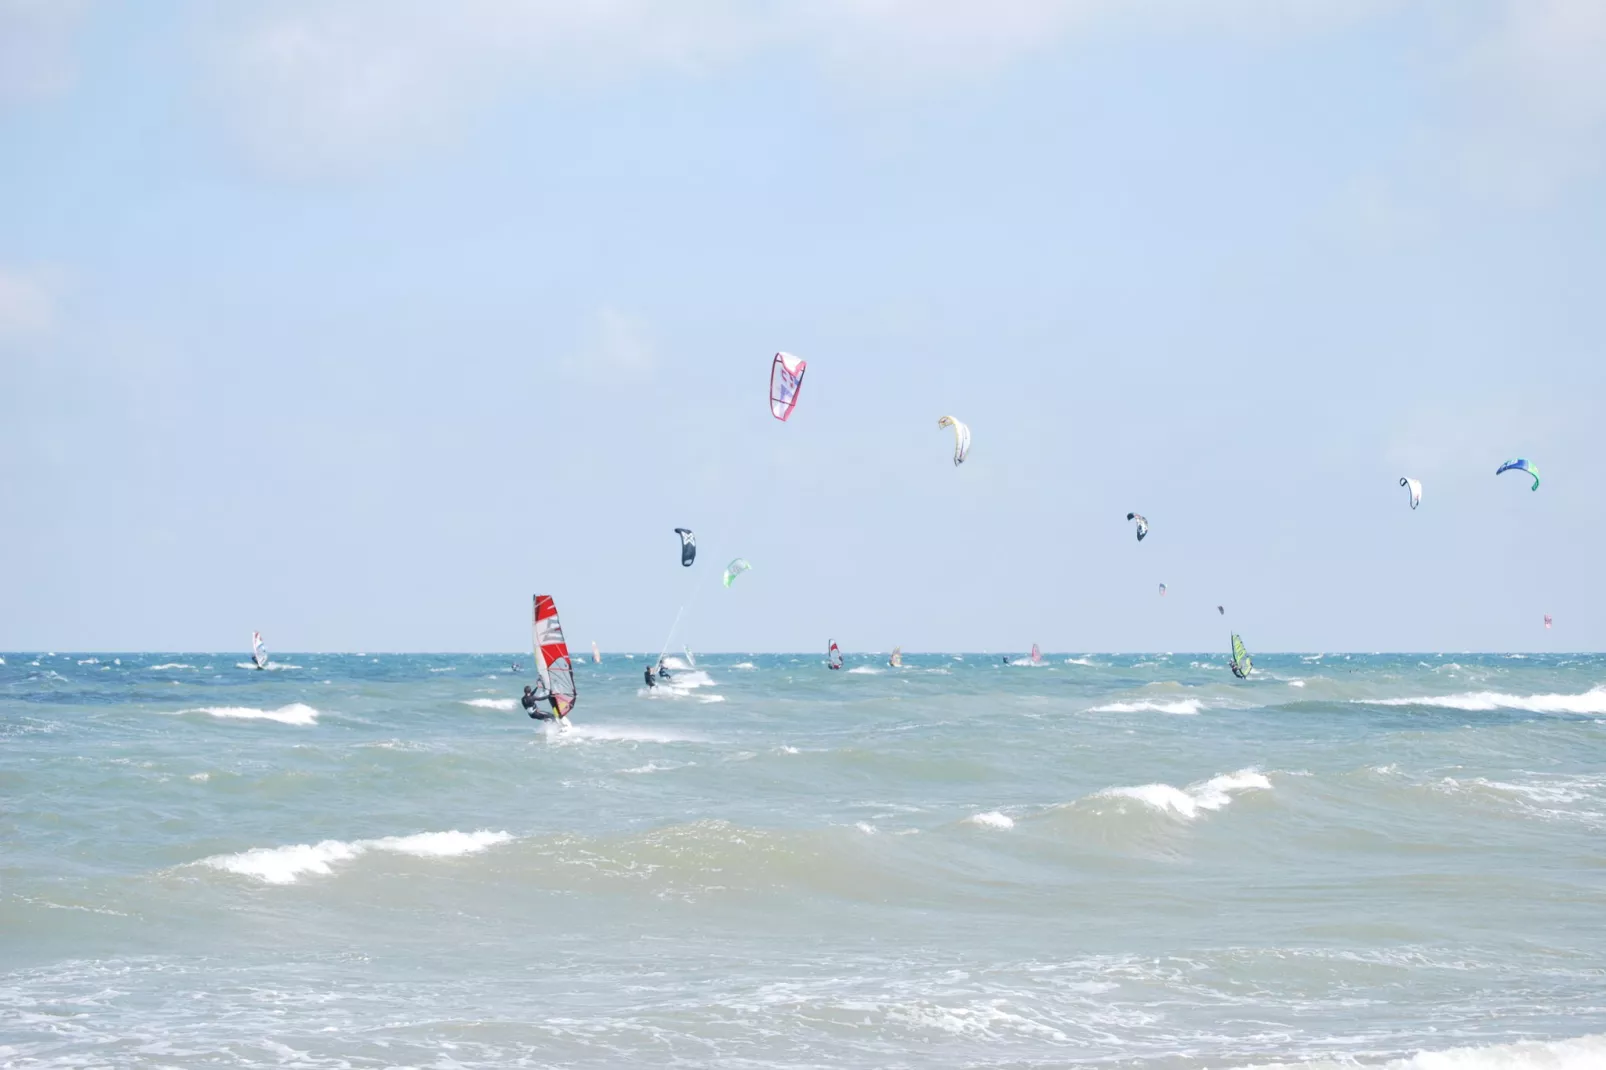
(297, 713)
(492, 703)
(286, 865)
(1592, 701)
(1178, 706)
(1188, 803)
(1581, 1053)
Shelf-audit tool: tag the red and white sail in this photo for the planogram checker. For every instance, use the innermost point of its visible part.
(833, 655)
(1037, 655)
(552, 655)
(786, 382)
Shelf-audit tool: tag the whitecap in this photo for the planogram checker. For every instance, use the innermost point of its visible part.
(1590, 702)
(1188, 803)
(284, 865)
(744, 665)
(624, 734)
(491, 703)
(1579, 1053)
(297, 713)
(1177, 706)
(863, 670)
(992, 819)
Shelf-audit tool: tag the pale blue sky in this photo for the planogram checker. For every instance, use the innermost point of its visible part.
(358, 323)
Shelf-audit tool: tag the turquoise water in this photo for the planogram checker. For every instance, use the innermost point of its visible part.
(1114, 861)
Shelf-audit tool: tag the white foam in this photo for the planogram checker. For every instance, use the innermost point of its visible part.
(1177, 706)
(625, 734)
(285, 865)
(90, 661)
(864, 670)
(272, 666)
(1590, 702)
(1580, 1053)
(1188, 803)
(744, 665)
(1296, 683)
(992, 819)
(492, 703)
(1078, 661)
(710, 698)
(297, 713)
(449, 668)
(865, 827)
(203, 777)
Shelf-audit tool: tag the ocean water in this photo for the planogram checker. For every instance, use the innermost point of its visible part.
(1107, 861)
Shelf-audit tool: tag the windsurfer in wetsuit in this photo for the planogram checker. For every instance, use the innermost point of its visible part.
(663, 670)
(529, 702)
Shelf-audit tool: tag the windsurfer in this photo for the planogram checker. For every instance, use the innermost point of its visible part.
(530, 700)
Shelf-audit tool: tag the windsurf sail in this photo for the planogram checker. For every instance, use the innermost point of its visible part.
(961, 438)
(552, 655)
(786, 382)
(1241, 665)
(689, 659)
(1415, 487)
(688, 546)
(896, 661)
(833, 655)
(596, 655)
(259, 652)
(1037, 655)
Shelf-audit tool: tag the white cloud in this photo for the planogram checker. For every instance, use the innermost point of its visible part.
(615, 345)
(26, 308)
(345, 85)
(36, 47)
(1533, 96)
(320, 87)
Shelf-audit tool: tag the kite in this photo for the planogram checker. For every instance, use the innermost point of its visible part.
(734, 569)
(1162, 590)
(1521, 465)
(1416, 489)
(786, 381)
(1547, 622)
(961, 438)
(1143, 524)
(1222, 610)
(688, 546)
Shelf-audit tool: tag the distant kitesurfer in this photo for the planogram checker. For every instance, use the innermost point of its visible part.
(646, 674)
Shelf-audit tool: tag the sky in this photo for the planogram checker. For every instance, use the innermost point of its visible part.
(358, 323)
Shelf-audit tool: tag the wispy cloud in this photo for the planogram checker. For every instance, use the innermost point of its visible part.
(614, 344)
(37, 38)
(27, 310)
(331, 87)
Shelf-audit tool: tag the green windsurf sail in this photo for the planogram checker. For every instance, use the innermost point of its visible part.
(1241, 665)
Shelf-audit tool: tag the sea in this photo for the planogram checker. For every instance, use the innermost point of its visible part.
(1115, 861)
